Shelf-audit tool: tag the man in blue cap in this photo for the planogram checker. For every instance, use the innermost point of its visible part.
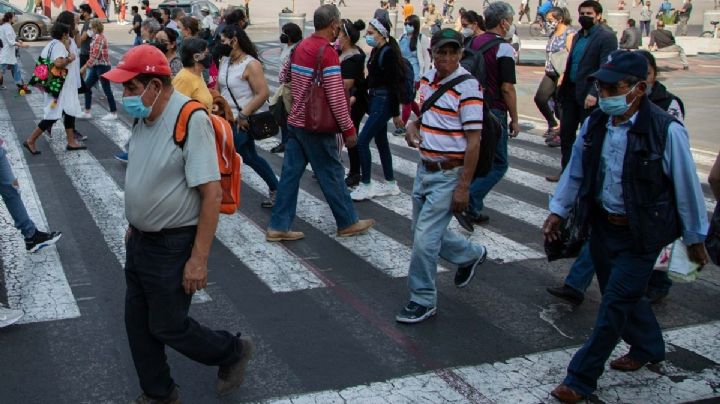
(632, 180)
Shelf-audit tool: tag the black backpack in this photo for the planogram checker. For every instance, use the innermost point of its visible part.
(474, 60)
(407, 95)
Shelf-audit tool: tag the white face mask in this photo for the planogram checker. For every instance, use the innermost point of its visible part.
(467, 32)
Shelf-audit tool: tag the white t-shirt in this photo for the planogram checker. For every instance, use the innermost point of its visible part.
(68, 100)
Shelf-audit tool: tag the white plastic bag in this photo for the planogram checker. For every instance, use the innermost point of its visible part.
(679, 265)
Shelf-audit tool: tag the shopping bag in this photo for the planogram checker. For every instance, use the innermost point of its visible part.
(679, 265)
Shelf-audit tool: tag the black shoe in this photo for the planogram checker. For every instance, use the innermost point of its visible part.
(353, 180)
(173, 398)
(567, 293)
(478, 218)
(466, 273)
(232, 376)
(415, 313)
(464, 220)
(40, 240)
(278, 149)
(656, 295)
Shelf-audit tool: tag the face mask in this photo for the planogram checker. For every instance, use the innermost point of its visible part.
(616, 105)
(135, 108)
(162, 46)
(284, 38)
(550, 26)
(224, 49)
(649, 89)
(371, 41)
(509, 33)
(586, 22)
(207, 62)
(467, 32)
(409, 29)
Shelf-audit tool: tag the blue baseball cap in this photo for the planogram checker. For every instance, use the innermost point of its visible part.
(619, 65)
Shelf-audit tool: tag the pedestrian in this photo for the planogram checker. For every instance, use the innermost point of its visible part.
(291, 35)
(175, 16)
(665, 12)
(166, 41)
(415, 48)
(85, 39)
(97, 65)
(631, 37)
(247, 11)
(136, 23)
(146, 7)
(446, 168)
(448, 9)
(645, 18)
(408, 9)
(318, 149)
(433, 19)
(148, 29)
(121, 18)
(8, 53)
(234, 17)
(499, 93)
(662, 40)
(164, 17)
(208, 23)
(590, 48)
(684, 17)
(242, 82)
(524, 11)
(172, 203)
(382, 13)
(425, 7)
(352, 69)
(195, 57)
(472, 25)
(385, 79)
(189, 27)
(559, 25)
(612, 199)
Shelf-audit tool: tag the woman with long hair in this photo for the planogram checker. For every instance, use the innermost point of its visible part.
(166, 41)
(242, 83)
(433, 19)
(415, 47)
(98, 64)
(386, 76)
(291, 35)
(8, 53)
(352, 70)
(195, 57)
(472, 26)
(189, 27)
(557, 22)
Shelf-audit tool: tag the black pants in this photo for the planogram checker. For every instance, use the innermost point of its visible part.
(156, 311)
(353, 153)
(545, 92)
(47, 124)
(573, 114)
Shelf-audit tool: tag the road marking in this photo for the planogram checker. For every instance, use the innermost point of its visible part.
(35, 282)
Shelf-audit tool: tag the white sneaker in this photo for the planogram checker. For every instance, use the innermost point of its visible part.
(109, 117)
(362, 192)
(9, 316)
(85, 115)
(388, 188)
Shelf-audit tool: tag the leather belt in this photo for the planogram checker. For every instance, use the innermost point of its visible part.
(615, 219)
(443, 165)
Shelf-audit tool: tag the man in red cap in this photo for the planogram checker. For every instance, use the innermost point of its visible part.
(172, 201)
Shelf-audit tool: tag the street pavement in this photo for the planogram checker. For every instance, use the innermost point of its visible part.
(321, 310)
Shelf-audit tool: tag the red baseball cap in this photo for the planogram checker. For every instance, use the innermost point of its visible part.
(141, 59)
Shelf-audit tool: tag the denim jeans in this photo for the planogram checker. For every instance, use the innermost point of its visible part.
(245, 146)
(582, 272)
(482, 186)
(138, 40)
(93, 75)
(11, 197)
(17, 76)
(376, 127)
(284, 134)
(624, 312)
(432, 199)
(320, 150)
(156, 311)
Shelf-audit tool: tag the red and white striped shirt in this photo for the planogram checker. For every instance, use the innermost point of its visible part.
(300, 71)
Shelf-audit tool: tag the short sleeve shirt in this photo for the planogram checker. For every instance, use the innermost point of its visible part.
(193, 86)
(137, 20)
(161, 177)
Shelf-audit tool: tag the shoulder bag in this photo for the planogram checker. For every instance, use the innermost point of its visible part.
(262, 124)
(319, 118)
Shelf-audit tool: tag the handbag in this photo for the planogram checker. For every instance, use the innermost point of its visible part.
(558, 60)
(319, 118)
(262, 124)
(277, 106)
(712, 242)
(572, 238)
(46, 77)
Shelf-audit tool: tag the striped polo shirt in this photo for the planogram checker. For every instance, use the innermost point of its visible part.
(444, 124)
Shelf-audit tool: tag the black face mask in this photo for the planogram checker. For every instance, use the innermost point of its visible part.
(162, 46)
(223, 49)
(207, 62)
(586, 22)
(284, 38)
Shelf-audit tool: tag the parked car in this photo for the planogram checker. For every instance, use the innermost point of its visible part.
(192, 7)
(29, 26)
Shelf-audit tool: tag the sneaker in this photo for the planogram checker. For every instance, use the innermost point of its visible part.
(112, 116)
(359, 227)
(399, 132)
(464, 220)
(353, 180)
(9, 316)
(85, 115)
(173, 398)
(270, 201)
(362, 192)
(278, 149)
(567, 293)
(388, 188)
(553, 141)
(415, 313)
(40, 240)
(232, 376)
(466, 273)
(122, 156)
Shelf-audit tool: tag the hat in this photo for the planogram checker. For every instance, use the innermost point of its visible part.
(446, 36)
(205, 9)
(619, 65)
(141, 59)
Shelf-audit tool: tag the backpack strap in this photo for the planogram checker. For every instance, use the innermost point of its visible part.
(427, 104)
(183, 120)
(480, 53)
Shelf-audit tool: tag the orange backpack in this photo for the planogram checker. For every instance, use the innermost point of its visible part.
(229, 160)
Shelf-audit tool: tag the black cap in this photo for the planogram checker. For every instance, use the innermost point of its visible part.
(446, 36)
(619, 65)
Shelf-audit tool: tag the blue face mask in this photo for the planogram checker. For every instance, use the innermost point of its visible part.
(370, 40)
(409, 29)
(134, 106)
(616, 105)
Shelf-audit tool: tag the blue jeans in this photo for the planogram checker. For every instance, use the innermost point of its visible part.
(17, 76)
(284, 133)
(11, 197)
(376, 127)
(624, 312)
(156, 311)
(93, 75)
(245, 146)
(138, 40)
(582, 272)
(320, 150)
(482, 186)
(432, 198)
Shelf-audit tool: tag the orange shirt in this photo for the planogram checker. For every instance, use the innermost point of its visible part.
(408, 10)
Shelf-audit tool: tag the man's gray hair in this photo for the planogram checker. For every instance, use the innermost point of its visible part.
(177, 13)
(496, 12)
(152, 25)
(325, 15)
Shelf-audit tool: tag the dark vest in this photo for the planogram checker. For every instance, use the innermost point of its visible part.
(648, 193)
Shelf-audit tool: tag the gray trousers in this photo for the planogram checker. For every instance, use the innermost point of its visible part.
(676, 48)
